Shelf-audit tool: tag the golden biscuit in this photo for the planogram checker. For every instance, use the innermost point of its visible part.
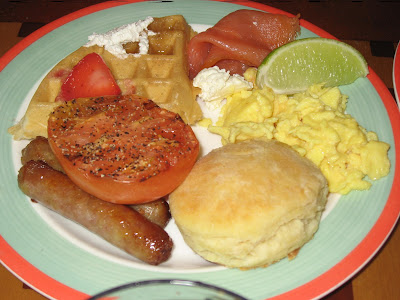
(249, 204)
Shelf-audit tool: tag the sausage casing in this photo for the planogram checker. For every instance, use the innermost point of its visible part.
(39, 150)
(156, 211)
(118, 224)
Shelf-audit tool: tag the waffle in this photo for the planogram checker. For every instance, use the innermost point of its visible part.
(160, 75)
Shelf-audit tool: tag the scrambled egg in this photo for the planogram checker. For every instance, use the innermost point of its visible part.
(315, 124)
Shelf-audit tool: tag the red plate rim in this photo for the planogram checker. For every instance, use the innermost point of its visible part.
(396, 73)
(317, 287)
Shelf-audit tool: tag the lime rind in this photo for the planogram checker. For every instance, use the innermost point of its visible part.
(297, 65)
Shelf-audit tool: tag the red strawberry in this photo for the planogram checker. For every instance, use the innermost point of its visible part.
(89, 78)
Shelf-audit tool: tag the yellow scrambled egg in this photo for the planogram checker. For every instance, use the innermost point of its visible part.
(316, 125)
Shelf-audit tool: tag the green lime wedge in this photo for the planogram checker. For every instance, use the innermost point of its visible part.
(299, 64)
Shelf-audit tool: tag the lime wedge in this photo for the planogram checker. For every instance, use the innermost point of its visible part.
(299, 64)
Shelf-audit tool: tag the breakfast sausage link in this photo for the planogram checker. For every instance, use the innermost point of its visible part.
(39, 149)
(156, 211)
(118, 224)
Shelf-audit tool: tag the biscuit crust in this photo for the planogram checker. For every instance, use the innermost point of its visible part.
(249, 204)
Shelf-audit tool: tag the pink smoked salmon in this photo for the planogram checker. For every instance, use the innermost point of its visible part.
(240, 40)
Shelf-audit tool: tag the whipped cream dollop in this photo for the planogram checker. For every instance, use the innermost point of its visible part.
(114, 39)
(217, 84)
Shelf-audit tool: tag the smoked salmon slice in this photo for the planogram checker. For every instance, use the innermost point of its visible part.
(240, 40)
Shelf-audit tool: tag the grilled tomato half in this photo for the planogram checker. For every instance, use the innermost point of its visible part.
(122, 149)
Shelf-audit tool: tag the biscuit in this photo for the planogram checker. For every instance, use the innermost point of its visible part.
(249, 204)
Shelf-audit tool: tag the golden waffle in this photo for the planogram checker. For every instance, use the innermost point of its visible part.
(160, 75)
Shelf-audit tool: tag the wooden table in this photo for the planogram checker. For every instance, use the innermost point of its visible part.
(373, 27)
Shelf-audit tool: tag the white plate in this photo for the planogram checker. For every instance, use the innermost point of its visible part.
(58, 257)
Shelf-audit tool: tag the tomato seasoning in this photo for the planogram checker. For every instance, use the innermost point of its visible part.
(116, 146)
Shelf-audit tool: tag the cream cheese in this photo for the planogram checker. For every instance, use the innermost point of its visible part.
(114, 39)
(216, 84)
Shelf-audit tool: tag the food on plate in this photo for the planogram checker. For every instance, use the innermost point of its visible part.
(217, 84)
(316, 125)
(134, 37)
(34, 122)
(122, 149)
(294, 67)
(120, 154)
(117, 224)
(249, 204)
(39, 150)
(156, 211)
(160, 75)
(90, 77)
(240, 40)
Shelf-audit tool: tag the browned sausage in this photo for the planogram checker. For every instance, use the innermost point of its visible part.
(156, 211)
(118, 224)
(39, 149)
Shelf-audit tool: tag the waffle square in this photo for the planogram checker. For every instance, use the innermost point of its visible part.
(161, 75)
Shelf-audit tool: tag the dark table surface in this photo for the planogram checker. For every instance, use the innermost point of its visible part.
(373, 27)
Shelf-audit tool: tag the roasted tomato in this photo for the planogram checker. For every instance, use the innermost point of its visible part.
(122, 149)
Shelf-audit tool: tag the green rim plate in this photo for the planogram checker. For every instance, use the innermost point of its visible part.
(35, 248)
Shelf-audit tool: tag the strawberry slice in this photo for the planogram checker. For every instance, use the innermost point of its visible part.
(89, 78)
